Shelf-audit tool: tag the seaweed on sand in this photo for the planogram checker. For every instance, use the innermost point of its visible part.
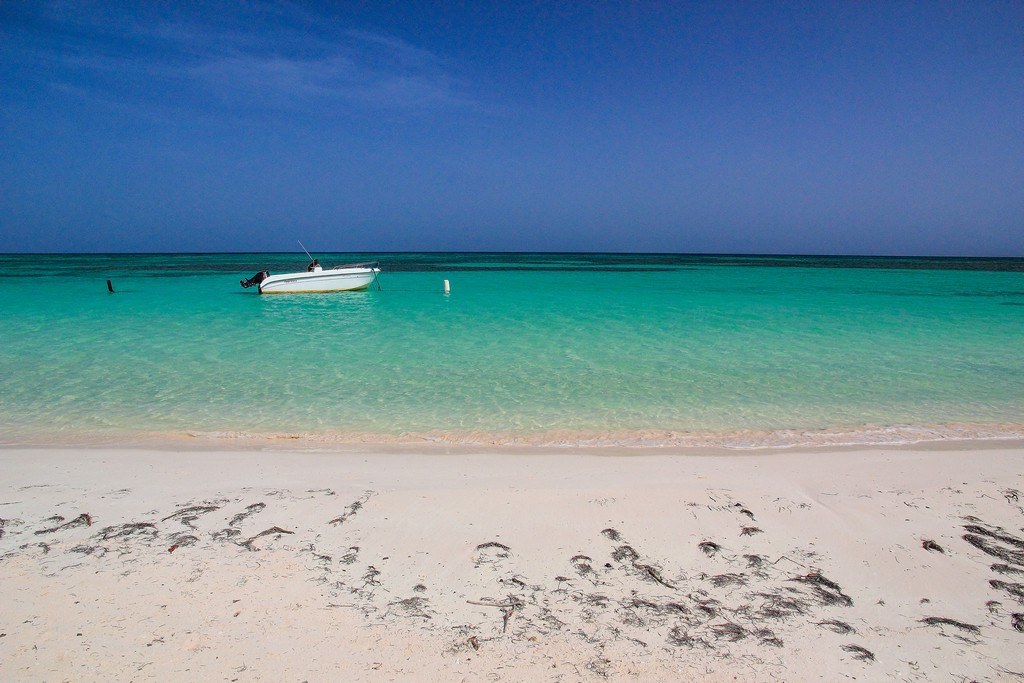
(828, 592)
(720, 580)
(129, 529)
(600, 667)
(353, 508)
(89, 549)
(412, 607)
(581, 563)
(860, 653)
(370, 577)
(250, 510)
(837, 626)
(709, 606)
(625, 553)
(754, 560)
(491, 552)
(248, 544)
(986, 540)
(730, 631)
(709, 547)
(182, 539)
(84, 519)
(508, 608)
(651, 574)
(943, 621)
(593, 599)
(679, 636)
(780, 606)
(1014, 589)
(190, 514)
(493, 544)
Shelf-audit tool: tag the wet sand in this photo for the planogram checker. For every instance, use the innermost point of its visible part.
(873, 564)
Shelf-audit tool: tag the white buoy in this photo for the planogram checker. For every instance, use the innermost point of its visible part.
(447, 288)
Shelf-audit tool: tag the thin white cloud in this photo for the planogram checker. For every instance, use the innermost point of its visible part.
(291, 62)
(399, 48)
(339, 78)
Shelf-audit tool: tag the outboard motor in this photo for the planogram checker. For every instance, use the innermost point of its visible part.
(255, 279)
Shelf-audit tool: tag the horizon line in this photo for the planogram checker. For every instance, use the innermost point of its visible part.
(521, 252)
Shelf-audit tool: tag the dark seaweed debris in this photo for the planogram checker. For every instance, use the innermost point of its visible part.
(754, 560)
(828, 592)
(1014, 589)
(679, 636)
(732, 632)
(1006, 569)
(721, 580)
(837, 626)
(190, 514)
(999, 535)
(652, 574)
(355, 507)
(932, 546)
(943, 621)
(625, 553)
(582, 564)
(780, 606)
(249, 511)
(709, 547)
(493, 544)
(860, 653)
(122, 530)
(182, 539)
(248, 544)
(986, 540)
(84, 519)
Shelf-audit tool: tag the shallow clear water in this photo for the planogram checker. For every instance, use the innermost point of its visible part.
(527, 348)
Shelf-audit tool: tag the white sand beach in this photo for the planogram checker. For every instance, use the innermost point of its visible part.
(899, 564)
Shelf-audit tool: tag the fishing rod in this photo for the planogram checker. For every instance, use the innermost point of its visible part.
(375, 280)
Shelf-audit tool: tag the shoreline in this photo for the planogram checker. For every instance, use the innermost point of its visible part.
(431, 450)
(953, 435)
(424, 565)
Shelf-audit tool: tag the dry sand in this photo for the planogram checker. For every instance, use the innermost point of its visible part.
(877, 564)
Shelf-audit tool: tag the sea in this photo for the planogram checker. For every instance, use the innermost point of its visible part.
(525, 350)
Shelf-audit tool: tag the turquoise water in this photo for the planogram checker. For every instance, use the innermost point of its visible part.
(527, 349)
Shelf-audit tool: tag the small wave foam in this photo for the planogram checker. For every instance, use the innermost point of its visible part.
(642, 439)
(740, 440)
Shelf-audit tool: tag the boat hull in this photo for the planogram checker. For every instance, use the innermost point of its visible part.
(334, 280)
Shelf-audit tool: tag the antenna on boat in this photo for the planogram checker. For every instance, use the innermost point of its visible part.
(304, 249)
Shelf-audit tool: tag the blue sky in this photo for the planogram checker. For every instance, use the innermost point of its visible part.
(852, 128)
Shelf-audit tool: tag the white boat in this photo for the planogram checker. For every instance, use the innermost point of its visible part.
(344, 278)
